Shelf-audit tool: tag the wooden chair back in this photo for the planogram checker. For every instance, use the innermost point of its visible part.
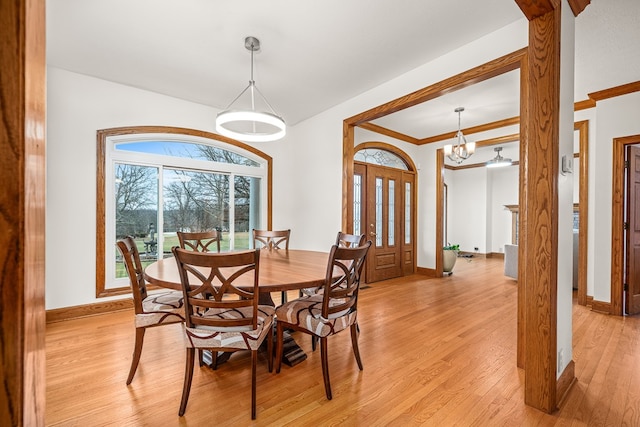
(135, 271)
(342, 281)
(204, 241)
(350, 240)
(209, 282)
(271, 239)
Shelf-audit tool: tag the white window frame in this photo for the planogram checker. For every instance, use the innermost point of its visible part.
(113, 156)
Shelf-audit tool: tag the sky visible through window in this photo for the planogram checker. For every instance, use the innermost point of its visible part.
(165, 148)
(186, 150)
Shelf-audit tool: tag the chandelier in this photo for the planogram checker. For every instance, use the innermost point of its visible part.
(250, 124)
(462, 150)
(498, 161)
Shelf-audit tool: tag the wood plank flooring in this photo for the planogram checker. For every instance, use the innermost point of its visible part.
(438, 352)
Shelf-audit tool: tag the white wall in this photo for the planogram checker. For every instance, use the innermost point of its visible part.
(565, 194)
(467, 209)
(504, 184)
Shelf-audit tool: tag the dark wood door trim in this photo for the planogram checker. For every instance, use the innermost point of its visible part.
(583, 209)
(617, 222)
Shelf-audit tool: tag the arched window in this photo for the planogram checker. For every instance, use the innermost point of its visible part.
(381, 157)
(163, 180)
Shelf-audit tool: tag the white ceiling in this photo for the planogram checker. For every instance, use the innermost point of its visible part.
(317, 54)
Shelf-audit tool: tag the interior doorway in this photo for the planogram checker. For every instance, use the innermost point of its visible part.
(617, 226)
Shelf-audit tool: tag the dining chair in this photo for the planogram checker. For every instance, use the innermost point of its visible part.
(343, 240)
(329, 312)
(203, 241)
(150, 309)
(272, 239)
(350, 240)
(222, 312)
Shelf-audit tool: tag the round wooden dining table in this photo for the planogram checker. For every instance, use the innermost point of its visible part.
(280, 270)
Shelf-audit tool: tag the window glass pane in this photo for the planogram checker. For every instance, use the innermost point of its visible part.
(136, 204)
(357, 203)
(246, 209)
(380, 157)
(194, 201)
(154, 189)
(392, 216)
(378, 211)
(187, 150)
(407, 212)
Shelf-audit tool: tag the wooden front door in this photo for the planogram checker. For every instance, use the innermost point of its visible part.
(383, 222)
(632, 282)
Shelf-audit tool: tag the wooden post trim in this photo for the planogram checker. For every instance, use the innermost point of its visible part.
(541, 210)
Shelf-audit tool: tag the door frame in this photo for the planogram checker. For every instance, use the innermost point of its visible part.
(617, 223)
(413, 170)
(517, 60)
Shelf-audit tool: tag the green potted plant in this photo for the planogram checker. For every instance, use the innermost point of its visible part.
(450, 255)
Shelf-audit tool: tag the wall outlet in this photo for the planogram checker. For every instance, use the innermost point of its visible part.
(475, 249)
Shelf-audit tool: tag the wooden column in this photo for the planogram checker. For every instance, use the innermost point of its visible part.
(22, 211)
(348, 139)
(540, 208)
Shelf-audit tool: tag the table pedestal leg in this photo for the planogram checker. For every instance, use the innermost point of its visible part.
(222, 357)
(292, 354)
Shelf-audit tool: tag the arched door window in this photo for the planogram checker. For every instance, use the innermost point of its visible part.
(380, 157)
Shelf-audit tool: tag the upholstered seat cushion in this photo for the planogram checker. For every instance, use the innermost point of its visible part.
(162, 308)
(203, 336)
(306, 313)
(310, 291)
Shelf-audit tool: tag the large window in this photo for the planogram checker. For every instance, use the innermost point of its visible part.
(158, 183)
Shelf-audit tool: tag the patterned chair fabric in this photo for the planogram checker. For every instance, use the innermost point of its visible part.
(205, 241)
(222, 312)
(238, 338)
(162, 308)
(329, 312)
(306, 315)
(150, 309)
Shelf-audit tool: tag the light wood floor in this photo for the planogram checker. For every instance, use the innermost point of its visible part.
(435, 352)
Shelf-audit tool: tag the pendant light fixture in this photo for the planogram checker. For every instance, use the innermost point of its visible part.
(249, 123)
(462, 150)
(498, 161)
